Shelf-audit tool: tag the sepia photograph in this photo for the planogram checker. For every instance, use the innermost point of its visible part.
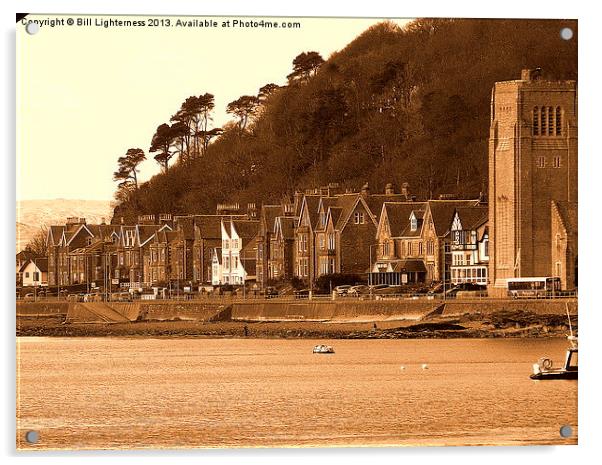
(308, 232)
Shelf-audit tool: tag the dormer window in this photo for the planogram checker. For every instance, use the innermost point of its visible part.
(413, 222)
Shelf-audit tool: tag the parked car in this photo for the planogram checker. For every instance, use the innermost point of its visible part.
(343, 289)
(29, 296)
(270, 292)
(121, 297)
(358, 290)
(376, 287)
(388, 290)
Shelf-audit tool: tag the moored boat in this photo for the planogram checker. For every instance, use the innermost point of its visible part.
(323, 349)
(544, 368)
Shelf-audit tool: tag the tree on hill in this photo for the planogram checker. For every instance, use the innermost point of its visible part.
(305, 65)
(162, 142)
(244, 108)
(127, 170)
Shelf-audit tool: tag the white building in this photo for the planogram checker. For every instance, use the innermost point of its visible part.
(470, 246)
(238, 251)
(216, 267)
(34, 272)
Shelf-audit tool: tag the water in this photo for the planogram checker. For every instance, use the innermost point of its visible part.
(149, 393)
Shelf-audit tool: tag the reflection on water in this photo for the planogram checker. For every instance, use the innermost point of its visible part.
(140, 393)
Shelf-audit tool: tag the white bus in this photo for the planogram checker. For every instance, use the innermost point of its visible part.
(533, 287)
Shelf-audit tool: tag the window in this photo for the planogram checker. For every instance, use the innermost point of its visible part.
(556, 161)
(409, 248)
(541, 162)
(331, 265)
(486, 247)
(420, 250)
(235, 263)
(550, 121)
(27, 274)
(543, 119)
(536, 121)
(331, 244)
(322, 242)
(358, 217)
(558, 269)
(226, 263)
(226, 244)
(386, 249)
(558, 121)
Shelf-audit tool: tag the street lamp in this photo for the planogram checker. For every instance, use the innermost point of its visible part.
(370, 267)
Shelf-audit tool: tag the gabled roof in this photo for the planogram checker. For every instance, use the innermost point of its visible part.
(40, 263)
(72, 232)
(472, 217)
(246, 229)
(269, 214)
(284, 227)
(375, 202)
(54, 235)
(323, 206)
(208, 226)
(145, 233)
(398, 215)
(309, 207)
(333, 216)
(442, 213)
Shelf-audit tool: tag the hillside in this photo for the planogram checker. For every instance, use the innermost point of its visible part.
(396, 105)
(35, 214)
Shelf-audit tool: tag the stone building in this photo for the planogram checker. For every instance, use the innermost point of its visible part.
(532, 163)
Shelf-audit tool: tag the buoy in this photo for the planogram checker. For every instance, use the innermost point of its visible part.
(402, 368)
(425, 366)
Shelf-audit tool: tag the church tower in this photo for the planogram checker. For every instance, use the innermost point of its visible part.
(532, 165)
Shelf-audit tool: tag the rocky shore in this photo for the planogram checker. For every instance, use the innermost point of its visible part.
(476, 325)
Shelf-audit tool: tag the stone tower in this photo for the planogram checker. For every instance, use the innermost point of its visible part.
(532, 163)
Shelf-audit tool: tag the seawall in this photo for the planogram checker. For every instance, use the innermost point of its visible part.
(337, 311)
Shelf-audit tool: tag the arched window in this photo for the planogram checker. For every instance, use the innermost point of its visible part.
(550, 121)
(558, 121)
(544, 121)
(536, 121)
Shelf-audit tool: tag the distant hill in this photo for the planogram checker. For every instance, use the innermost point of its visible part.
(35, 214)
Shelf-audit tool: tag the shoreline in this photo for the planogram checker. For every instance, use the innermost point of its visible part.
(497, 325)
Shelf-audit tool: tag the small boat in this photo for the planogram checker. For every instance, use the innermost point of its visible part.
(323, 349)
(544, 368)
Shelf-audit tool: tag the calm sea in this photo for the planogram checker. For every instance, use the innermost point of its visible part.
(156, 393)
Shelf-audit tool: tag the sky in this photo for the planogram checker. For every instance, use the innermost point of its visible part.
(86, 94)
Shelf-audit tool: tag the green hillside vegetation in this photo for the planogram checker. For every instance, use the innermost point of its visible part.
(396, 105)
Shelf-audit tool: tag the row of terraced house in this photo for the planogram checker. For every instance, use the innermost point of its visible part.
(382, 237)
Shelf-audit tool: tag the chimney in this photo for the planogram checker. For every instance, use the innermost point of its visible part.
(289, 209)
(251, 211)
(389, 189)
(405, 190)
(530, 74)
(165, 218)
(365, 190)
